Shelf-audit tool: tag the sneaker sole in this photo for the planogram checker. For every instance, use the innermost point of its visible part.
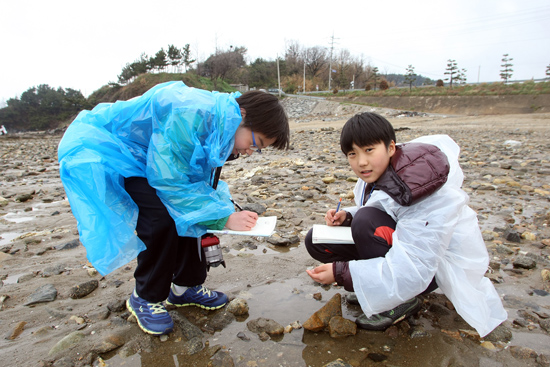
(152, 332)
(409, 313)
(195, 304)
(406, 315)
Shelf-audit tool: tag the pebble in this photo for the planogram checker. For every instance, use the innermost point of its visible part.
(83, 289)
(17, 330)
(238, 307)
(268, 326)
(44, 293)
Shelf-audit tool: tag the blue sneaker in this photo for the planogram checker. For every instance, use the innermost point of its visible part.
(199, 296)
(151, 317)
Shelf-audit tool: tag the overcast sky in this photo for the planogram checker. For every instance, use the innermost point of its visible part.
(85, 45)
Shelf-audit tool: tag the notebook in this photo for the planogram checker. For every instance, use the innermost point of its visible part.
(265, 226)
(329, 234)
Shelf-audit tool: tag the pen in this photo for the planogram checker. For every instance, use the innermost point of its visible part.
(338, 207)
(237, 205)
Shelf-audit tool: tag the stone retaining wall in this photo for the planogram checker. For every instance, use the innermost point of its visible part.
(464, 105)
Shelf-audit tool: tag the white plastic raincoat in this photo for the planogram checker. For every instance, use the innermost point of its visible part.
(173, 135)
(438, 236)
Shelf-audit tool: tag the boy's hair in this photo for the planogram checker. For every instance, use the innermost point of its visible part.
(266, 115)
(366, 129)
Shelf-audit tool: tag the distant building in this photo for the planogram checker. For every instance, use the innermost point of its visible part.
(240, 87)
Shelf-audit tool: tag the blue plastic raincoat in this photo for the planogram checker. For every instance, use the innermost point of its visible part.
(173, 135)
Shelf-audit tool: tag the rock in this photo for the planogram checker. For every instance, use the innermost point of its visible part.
(53, 270)
(320, 319)
(69, 245)
(44, 293)
(220, 320)
(540, 292)
(117, 306)
(278, 240)
(340, 327)
(193, 346)
(512, 236)
(377, 357)
(109, 343)
(242, 336)
(524, 262)
(488, 345)
(329, 180)
(314, 323)
(238, 307)
(254, 207)
(545, 324)
(528, 236)
(222, 359)
(543, 360)
(268, 326)
(83, 289)
(500, 334)
(188, 329)
(418, 332)
(16, 331)
(522, 352)
(24, 197)
(72, 339)
(338, 363)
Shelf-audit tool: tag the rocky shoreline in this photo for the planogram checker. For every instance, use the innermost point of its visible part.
(56, 310)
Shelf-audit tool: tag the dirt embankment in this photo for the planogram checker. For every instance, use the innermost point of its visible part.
(463, 105)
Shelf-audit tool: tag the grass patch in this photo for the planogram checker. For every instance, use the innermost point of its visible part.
(114, 92)
(484, 89)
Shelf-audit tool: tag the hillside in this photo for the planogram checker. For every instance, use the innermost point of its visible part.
(116, 92)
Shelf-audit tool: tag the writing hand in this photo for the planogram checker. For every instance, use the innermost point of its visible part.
(242, 221)
(333, 218)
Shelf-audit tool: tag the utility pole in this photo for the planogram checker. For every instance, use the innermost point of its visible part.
(278, 76)
(330, 60)
(304, 90)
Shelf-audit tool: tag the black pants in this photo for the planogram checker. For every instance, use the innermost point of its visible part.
(168, 257)
(371, 230)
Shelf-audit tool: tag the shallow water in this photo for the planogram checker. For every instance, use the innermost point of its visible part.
(18, 217)
(288, 301)
(6, 237)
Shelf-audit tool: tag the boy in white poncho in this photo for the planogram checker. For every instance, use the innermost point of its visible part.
(412, 228)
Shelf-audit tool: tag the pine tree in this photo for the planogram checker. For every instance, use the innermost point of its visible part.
(410, 77)
(506, 72)
(452, 71)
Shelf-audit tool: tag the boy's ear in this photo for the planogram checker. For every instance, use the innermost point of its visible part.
(391, 149)
(243, 113)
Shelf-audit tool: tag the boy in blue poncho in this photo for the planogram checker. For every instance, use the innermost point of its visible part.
(139, 174)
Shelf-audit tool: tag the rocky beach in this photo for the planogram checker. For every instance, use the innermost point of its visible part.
(57, 310)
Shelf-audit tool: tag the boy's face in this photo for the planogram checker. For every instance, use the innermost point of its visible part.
(244, 143)
(369, 162)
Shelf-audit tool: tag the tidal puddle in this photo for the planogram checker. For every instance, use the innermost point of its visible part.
(6, 237)
(288, 301)
(18, 217)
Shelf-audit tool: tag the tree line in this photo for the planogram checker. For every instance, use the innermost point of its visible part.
(300, 69)
(42, 108)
